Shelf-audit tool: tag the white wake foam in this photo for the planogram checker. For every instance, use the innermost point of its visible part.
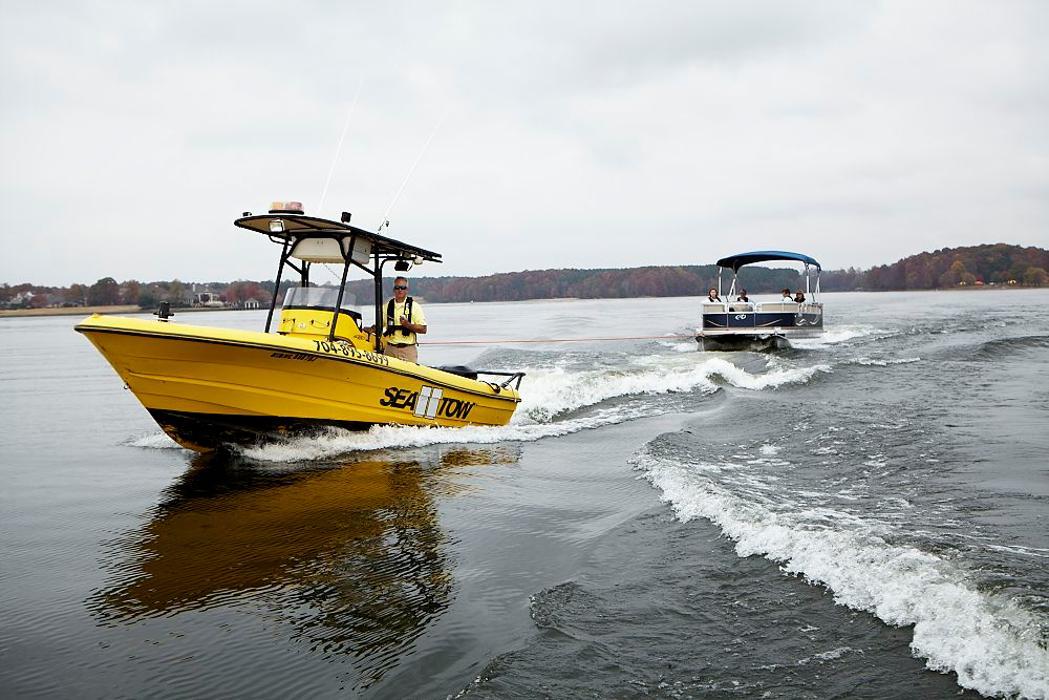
(155, 441)
(833, 336)
(830, 655)
(677, 345)
(334, 442)
(869, 362)
(991, 643)
(548, 393)
(776, 376)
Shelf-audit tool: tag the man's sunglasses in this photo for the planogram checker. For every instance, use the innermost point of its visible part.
(400, 286)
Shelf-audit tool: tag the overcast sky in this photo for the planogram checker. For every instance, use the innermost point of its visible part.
(565, 134)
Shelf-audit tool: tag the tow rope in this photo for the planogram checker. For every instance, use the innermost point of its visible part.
(557, 340)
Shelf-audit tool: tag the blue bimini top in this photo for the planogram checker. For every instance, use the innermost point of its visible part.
(737, 261)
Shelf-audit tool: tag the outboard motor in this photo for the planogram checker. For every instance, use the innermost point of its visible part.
(460, 370)
(163, 312)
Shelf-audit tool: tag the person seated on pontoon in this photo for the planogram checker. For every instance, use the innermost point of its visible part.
(787, 298)
(799, 297)
(743, 296)
(712, 295)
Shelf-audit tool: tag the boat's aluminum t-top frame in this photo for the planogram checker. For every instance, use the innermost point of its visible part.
(310, 240)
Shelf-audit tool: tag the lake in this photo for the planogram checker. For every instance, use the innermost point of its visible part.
(863, 515)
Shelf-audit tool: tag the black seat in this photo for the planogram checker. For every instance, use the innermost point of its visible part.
(459, 370)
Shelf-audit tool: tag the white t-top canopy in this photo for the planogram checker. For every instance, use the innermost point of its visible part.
(317, 240)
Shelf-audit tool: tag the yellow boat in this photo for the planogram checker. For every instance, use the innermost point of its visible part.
(207, 387)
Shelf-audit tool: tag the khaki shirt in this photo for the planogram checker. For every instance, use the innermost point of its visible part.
(418, 317)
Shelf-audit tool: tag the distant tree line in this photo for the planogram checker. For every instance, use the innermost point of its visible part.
(108, 292)
(672, 281)
(997, 264)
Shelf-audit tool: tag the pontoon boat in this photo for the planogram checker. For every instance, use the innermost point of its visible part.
(732, 325)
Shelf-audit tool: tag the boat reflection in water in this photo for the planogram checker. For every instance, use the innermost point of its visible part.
(350, 556)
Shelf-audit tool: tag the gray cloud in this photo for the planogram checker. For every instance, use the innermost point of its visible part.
(584, 134)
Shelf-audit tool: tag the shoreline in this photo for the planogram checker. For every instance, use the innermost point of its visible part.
(88, 310)
(126, 309)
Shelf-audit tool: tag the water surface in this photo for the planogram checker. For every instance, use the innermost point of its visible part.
(865, 515)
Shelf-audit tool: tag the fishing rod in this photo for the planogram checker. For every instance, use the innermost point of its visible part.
(385, 217)
(335, 160)
(385, 222)
(338, 148)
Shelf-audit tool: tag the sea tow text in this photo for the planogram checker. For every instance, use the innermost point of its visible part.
(434, 403)
(347, 350)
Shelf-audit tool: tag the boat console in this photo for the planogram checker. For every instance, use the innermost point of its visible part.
(310, 310)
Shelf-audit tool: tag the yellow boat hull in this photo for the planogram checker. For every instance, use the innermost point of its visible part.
(211, 386)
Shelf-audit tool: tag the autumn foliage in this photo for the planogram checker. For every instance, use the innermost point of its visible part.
(984, 265)
(999, 264)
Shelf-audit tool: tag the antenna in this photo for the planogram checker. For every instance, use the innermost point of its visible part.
(386, 214)
(335, 159)
(338, 149)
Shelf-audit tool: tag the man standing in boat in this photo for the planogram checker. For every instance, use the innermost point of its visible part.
(404, 320)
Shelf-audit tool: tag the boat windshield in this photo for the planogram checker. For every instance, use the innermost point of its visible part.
(318, 298)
